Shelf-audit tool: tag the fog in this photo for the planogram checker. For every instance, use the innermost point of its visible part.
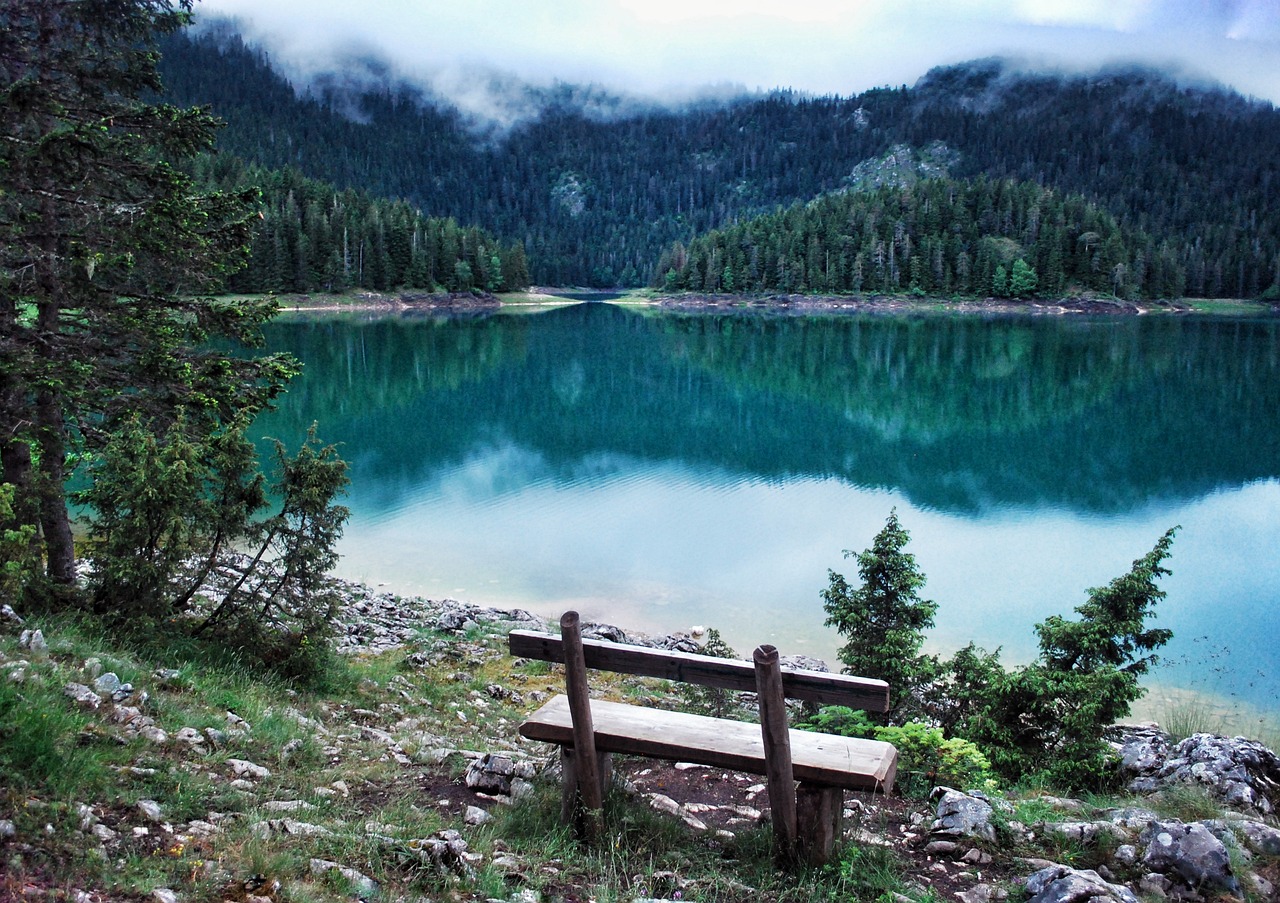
(493, 57)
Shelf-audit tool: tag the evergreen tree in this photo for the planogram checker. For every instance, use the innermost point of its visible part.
(1022, 279)
(884, 619)
(106, 249)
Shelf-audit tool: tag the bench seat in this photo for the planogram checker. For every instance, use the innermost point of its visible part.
(819, 759)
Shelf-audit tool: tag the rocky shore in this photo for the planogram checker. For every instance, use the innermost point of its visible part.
(1198, 822)
(1181, 860)
(811, 304)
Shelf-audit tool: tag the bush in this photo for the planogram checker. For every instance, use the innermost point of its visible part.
(173, 506)
(926, 757)
(842, 720)
(712, 701)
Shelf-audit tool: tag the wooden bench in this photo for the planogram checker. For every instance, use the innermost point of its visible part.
(806, 820)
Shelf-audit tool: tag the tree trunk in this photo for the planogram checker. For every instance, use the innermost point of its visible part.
(55, 522)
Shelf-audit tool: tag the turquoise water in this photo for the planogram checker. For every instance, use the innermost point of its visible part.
(662, 471)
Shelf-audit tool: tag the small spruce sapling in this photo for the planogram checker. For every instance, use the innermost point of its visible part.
(884, 619)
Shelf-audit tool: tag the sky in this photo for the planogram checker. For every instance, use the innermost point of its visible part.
(677, 49)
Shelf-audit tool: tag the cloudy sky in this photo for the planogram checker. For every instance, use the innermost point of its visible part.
(673, 47)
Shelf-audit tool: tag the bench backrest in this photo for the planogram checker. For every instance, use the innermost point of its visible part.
(728, 674)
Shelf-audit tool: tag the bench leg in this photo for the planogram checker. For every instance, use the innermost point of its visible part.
(818, 814)
(571, 811)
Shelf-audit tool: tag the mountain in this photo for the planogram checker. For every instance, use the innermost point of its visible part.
(597, 189)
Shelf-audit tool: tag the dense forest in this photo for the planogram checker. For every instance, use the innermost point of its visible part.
(596, 198)
(315, 237)
(935, 237)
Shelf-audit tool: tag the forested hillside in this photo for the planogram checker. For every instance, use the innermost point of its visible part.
(315, 237)
(934, 237)
(596, 200)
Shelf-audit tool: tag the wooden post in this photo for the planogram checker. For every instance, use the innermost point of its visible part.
(777, 752)
(587, 765)
(819, 811)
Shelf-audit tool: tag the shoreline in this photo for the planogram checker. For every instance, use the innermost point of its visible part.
(372, 619)
(541, 297)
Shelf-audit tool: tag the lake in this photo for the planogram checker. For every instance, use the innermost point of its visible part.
(660, 471)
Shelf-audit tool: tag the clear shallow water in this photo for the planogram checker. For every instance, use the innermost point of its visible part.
(661, 471)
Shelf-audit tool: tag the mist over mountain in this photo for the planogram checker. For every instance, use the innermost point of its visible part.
(597, 185)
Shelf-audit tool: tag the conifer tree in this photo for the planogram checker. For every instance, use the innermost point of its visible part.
(106, 250)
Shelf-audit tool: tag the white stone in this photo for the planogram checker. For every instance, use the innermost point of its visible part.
(150, 810)
(246, 768)
(363, 884)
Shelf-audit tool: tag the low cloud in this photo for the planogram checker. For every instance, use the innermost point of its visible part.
(494, 58)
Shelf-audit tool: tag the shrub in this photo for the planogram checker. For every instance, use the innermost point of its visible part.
(712, 701)
(927, 759)
(842, 720)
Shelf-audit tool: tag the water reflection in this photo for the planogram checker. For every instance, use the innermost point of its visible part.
(661, 471)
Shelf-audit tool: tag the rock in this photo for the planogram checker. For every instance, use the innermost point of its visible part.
(1258, 838)
(153, 734)
(1241, 773)
(606, 632)
(1143, 748)
(362, 884)
(164, 895)
(34, 641)
(82, 695)
(455, 622)
(107, 683)
(447, 851)
(189, 736)
(1085, 833)
(103, 833)
(271, 826)
(243, 767)
(150, 810)
(941, 847)
(664, 803)
(7, 828)
(1155, 884)
(476, 816)
(1059, 884)
(8, 614)
(802, 663)
(491, 774)
(1188, 854)
(287, 805)
(962, 815)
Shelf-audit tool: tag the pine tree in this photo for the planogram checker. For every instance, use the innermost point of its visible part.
(105, 251)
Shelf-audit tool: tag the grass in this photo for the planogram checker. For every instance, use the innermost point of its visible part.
(56, 758)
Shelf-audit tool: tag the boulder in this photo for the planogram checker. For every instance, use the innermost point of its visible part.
(1189, 856)
(1059, 884)
(1242, 773)
(962, 815)
(491, 774)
